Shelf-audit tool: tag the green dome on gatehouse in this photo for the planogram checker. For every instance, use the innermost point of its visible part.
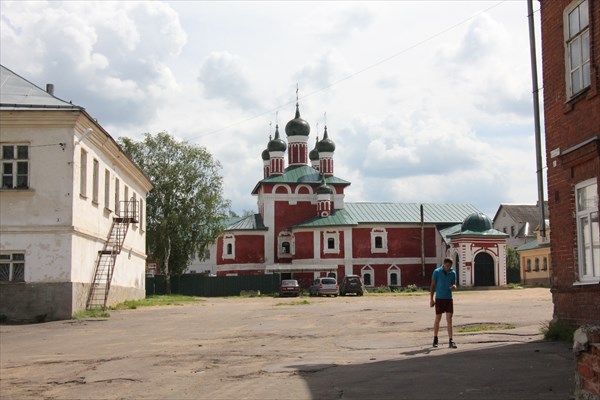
(477, 222)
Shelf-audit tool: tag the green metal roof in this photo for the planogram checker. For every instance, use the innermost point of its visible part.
(532, 245)
(338, 218)
(409, 212)
(446, 232)
(394, 213)
(250, 223)
(301, 174)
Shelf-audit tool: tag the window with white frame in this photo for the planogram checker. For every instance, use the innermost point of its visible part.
(331, 242)
(588, 230)
(95, 180)
(107, 189)
(537, 264)
(286, 244)
(12, 267)
(368, 275)
(117, 196)
(379, 240)
(229, 247)
(577, 37)
(83, 173)
(528, 265)
(15, 166)
(393, 276)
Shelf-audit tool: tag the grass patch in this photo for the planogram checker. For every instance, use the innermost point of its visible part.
(484, 327)
(515, 286)
(558, 331)
(94, 313)
(294, 303)
(151, 301)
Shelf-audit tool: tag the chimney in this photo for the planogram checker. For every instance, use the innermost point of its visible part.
(50, 88)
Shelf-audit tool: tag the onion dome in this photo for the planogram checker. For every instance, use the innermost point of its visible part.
(314, 153)
(476, 222)
(277, 144)
(325, 145)
(324, 189)
(297, 126)
(265, 155)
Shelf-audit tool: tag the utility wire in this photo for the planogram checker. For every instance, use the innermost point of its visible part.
(365, 69)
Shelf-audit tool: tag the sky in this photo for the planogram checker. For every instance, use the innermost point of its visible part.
(426, 101)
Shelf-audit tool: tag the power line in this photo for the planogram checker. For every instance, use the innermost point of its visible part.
(365, 69)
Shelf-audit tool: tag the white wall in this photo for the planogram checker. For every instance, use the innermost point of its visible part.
(59, 230)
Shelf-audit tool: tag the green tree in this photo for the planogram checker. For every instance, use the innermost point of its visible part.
(186, 208)
(513, 267)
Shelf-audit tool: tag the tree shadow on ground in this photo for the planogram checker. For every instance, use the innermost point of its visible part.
(527, 371)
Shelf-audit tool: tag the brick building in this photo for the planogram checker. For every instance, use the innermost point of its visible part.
(571, 69)
(304, 228)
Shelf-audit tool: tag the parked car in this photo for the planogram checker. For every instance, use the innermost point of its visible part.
(352, 284)
(324, 287)
(289, 287)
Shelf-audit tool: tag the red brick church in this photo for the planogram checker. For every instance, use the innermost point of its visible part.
(304, 228)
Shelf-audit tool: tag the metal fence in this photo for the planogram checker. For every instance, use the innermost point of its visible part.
(213, 286)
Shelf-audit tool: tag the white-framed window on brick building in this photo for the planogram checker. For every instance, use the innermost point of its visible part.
(577, 48)
(588, 230)
(367, 274)
(286, 244)
(379, 240)
(15, 166)
(83, 173)
(12, 267)
(331, 242)
(229, 247)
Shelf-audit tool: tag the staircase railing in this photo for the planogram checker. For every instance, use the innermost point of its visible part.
(127, 213)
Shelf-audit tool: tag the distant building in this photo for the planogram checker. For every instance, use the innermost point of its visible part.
(66, 185)
(305, 229)
(535, 259)
(518, 221)
(571, 62)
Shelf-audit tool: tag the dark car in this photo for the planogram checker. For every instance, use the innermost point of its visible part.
(289, 287)
(352, 284)
(324, 287)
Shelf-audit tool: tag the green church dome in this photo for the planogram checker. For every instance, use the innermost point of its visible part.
(476, 222)
(297, 126)
(326, 145)
(277, 144)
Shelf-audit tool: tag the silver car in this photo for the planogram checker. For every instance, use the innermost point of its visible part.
(324, 287)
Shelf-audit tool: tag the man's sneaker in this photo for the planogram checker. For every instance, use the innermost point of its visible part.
(435, 341)
(451, 344)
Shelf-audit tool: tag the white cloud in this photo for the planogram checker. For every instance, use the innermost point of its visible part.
(111, 57)
(223, 77)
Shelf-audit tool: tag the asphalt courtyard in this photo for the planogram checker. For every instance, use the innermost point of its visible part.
(371, 347)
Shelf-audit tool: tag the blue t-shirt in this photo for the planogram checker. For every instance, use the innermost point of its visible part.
(443, 281)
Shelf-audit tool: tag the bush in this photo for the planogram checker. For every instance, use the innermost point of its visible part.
(412, 288)
(558, 331)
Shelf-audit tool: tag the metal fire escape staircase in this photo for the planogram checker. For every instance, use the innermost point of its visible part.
(107, 257)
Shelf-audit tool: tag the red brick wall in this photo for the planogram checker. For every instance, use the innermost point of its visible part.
(304, 245)
(287, 215)
(402, 242)
(248, 249)
(569, 123)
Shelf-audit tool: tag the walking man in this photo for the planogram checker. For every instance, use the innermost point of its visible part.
(443, 282)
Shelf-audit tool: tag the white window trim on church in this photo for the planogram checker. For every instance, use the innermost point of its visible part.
(382, 233)
(283, 238)
(229, 239)
(368, 270)
(394, 269)
(335, 235)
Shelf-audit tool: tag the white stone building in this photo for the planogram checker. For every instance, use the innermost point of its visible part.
(64, 179)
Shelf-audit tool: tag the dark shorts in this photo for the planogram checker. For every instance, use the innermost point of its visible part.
(444, 306)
